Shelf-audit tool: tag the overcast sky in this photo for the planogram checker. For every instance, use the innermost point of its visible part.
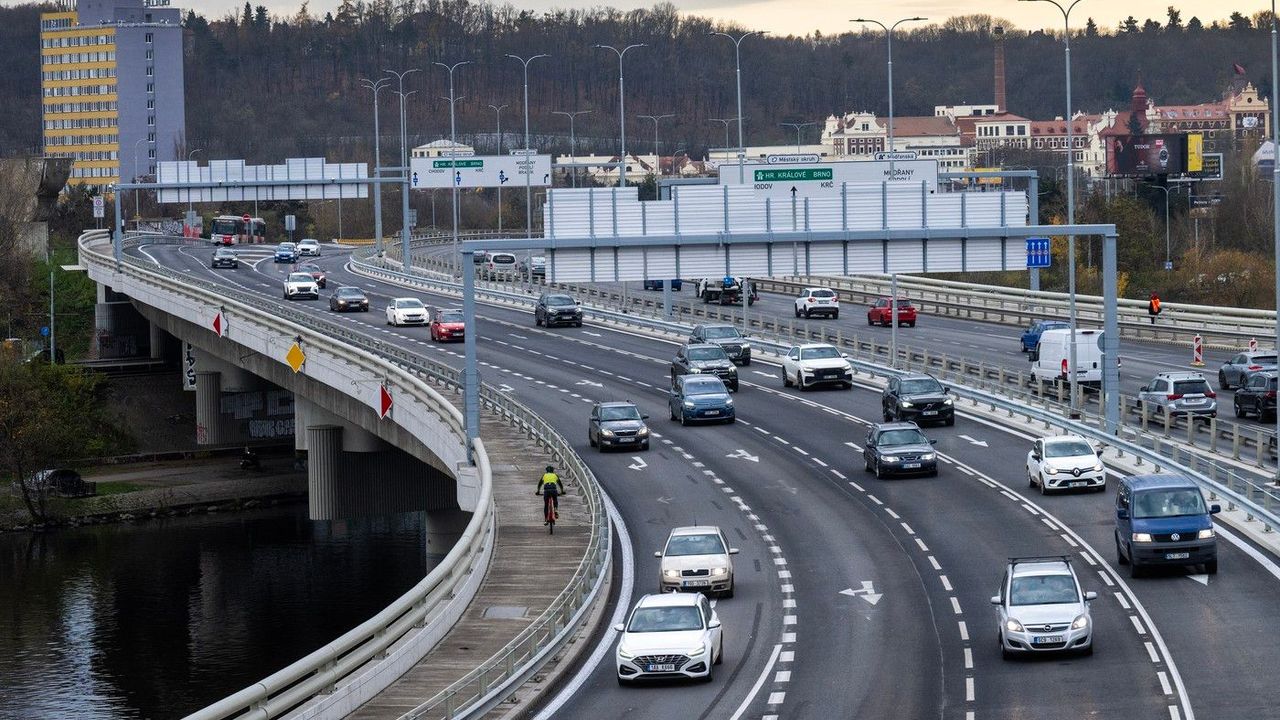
(831, 16)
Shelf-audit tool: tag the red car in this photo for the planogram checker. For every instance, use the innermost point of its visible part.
(447, 325)
(879, 313)
(315, 272)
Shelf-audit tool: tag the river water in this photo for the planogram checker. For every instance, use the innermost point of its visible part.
(159, 618)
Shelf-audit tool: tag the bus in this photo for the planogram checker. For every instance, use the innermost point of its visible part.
(230, 230)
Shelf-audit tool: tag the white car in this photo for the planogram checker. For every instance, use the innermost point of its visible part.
(816, 364)
(1041, 608)
(818, 301)
(406, 311)
(696, 559)
(1065, 462)
(669, 636)
(309, 247)
(301, 286)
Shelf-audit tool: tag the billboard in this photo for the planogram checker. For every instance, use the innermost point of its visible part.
(824, 179)
(481, 171)
(1146, 155)
(1210, 168)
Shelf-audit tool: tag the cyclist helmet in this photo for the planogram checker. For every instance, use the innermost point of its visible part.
(550, 469)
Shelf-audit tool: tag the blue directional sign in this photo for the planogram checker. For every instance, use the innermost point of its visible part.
(1038, 255)
(415, 179)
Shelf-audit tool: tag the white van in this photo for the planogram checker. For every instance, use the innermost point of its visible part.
(1050, 358)
(498, 265)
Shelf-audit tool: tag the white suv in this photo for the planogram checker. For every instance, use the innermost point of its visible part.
(818, 301)
(406, 311)
(301, 286)
(1041, 608)
(816, 364)
(671, 636)
(696, 559)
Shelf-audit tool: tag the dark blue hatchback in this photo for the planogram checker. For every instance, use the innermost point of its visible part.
(1031, 336)
(1164, 520)
(700, 398)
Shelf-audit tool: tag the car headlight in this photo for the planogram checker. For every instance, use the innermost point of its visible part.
(1142, 537)
(728, 401)
(719, 571)
(1205, 534)
(746, 346)
(578, 311)
(928, 456)
(1050, 471)
(606, 433)
(671, 573)
(625, 653)
(733, 370)
(1097, 467)
(907, 403)
(695, 371)
(1013, 625)
(688, 404)
(890, 458)
(948, 401)
(1080, 623)
(694, 652)
(643, 432)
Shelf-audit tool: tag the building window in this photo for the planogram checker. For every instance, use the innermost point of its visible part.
(151, 37)
(150, 71)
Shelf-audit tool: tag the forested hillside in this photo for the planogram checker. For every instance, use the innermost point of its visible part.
(266, 87)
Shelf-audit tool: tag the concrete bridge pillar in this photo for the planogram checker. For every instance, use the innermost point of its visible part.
(158, 340)
(324, 471)
(444, 527)
(209, 430)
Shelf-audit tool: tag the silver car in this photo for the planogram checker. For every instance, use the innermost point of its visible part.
(1041, 608)
(1233, 372)
(1179, 393)
(696, 559)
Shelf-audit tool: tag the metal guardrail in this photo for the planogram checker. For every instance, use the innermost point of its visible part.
(322, 670)
(994, 386)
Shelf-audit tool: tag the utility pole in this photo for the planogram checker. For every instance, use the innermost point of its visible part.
(376, 86)
(497, 109)
(528, 176)
(573, 149)
(737, 72)
(657, 156)
(453, 155)
(622, 110)
(406, 253)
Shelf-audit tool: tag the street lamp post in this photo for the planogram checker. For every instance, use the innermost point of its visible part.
(376, 86)
(453, 154)
(1071, 208)
(406, 257)
(1275, 180)
(725, 122)
(528, 176)
(497, 109)
(737, 73)
(1168, 258)
(573, 150)
(622, 110)
(888, 33)
(137, 212)
(798, 127)
(657, 156)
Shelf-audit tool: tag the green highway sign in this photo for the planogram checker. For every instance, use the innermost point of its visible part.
(459, 163)
(793, 174)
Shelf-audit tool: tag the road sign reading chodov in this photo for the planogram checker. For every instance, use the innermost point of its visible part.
(481, 171)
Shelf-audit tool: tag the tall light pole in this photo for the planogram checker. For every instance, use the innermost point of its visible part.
(376, 86)
(656, 119)
(453, 162)
(1071, 208)
(737, 72)
(189, 156)
(888, 33)
(406, 257)
(798, 127)
(528, 176)
(1168, 258)
(622, 110)
(573, 150)
(1275, 181)
(497, 109)
(725, 122)
(137, 211)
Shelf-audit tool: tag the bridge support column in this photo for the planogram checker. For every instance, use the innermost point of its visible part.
(209, 429)
(324, 470)
(444, 527)
(158, 341)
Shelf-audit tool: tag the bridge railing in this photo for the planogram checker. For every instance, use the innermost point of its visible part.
(442, 595)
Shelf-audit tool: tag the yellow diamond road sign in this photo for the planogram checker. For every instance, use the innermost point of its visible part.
(295, 357)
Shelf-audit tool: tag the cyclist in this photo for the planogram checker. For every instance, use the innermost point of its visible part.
(551, 488)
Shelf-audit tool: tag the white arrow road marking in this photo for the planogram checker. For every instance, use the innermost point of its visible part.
(639, 463)
(744, 455)
(588, 332)
(505, 388)
(972, 441)
(764, 374)
(590, 382)
(1202, 579)
(665, 500)
(866, 592)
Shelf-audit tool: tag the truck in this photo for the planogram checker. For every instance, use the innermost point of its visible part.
(726, 290)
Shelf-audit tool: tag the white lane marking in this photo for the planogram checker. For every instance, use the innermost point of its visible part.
(855, 485)
(788, 637)
(1106, 578)
(838, 474)
(908, 529)
(786, 588)
(968, 658)
(755, 689)
(964, 630)
(968, 689)
(923, 547)
(776, 698)
(934, 562)
(1067, 539)
(875, 499)
(1124, 602)
(1164, 683)
(1249, 550)
(1151, 652)
(946, 583)
(816, 460)
(1137, 625)
(784, 575)
(786, 656)
(782, 676)
(955, 605)
(892, 514)
(789, 603)
(1175, 715)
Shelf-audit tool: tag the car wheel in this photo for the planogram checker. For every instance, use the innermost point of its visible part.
(1031, 480)
(835, 315)
(709, 676)
(888, 417)
(734, 386)
(1222, 381)
(1044, 488)
(949, 421)
(623, 682)
(911, 324)
(591, 440)
(684, 420)
(1004, 651)
(1135, 570)
(732, 420)
(866, 464)
(800, 382)
(879, 471)
(537, 320)
(746, 362)
(1120, 557)
(1088, 650)
(870, 321)
(673, 413)
(578, 324)
(808, 314)
(786, 379)
(1211, 567)
(720, 650)
(1235, 403)
(797, 312)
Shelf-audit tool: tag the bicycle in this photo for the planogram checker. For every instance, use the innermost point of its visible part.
(549, 513)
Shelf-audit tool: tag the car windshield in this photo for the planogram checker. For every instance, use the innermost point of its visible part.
(1168, 503)
(559, 300)
(1263, 360)
(720, 333)
(300, 277)
(1068, 448)
(619, 412)
(923, 385)
(503, 259)
(704, 386)
(1190, 387)
(350, 292)
(309, 242)
(409, 303)
(310, 268)
(707, 353)
(819, 353)
(538, 260)
(223, 252)
(286, 246)
(665, 619)
(682, 545)
(902, 437)
(1043, 590)
(450, 316)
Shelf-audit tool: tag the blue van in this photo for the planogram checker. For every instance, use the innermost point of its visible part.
(1164, 520)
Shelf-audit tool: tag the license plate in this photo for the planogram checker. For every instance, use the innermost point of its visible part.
(910, 466)
(713, 412)
(1046, 639)
(627, 439)
(1078, 484)
(1177, 556)
(929, 412)
(667, 667)
(696, 583)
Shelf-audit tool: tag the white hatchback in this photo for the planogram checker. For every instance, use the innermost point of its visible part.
(406, 311)
(1065, 462)
(670, 636)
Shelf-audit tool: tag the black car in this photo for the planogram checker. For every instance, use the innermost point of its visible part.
(705, 359)
(1257, 396)
(918, 397)
(557, 309)
(736, 345)
(617, 425)
(348, 297)
(898, 448)
(225, 258)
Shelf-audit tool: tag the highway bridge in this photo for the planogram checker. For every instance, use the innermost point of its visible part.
(856, 597)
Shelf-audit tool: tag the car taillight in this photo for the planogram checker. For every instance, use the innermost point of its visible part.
(811, 299)
(1271, 393)
(1210, 393)
(1255, 367)
(1174, 396)
(1064, 366)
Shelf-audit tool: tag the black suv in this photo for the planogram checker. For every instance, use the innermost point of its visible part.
(557, 309)
(1257, 396)
(736, 345)
(705, 359)
(898, 448)
(918, 397)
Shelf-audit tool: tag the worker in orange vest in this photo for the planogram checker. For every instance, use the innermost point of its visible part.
(1153, 307)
